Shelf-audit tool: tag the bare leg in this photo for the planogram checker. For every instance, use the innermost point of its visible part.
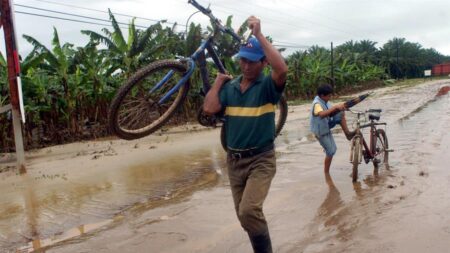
(344, 127)
(327, 164)
(344, 124)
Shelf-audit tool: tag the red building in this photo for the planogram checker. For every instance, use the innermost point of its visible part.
(441, 69)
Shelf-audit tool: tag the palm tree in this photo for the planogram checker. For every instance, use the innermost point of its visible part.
(365, 49)
(368, 50)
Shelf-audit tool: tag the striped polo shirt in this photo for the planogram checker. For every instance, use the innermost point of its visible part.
(250, 116)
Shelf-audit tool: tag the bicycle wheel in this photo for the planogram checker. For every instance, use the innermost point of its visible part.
(381, 156)
(281, 111)
(356, 154)
(135, 111)
(223, 137)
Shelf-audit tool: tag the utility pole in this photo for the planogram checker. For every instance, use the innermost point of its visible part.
(398, 68)
(15, 89)
(332, 65)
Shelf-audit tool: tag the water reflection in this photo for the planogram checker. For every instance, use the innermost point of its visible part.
(332, 201)
(40, 244)
(334, 212)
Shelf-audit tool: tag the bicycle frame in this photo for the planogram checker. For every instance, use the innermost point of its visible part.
(200, 57)
(369, 150)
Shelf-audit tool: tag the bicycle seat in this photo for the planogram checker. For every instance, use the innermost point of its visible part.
(374, 114)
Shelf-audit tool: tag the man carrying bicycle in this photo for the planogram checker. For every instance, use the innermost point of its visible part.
(249, 102)
(323, 118)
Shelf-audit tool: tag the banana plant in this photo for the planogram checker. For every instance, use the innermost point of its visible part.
(128, 55)
(58, 62)
(4, 95)
(98, 84)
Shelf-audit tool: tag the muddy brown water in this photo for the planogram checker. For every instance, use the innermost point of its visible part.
(182, 203)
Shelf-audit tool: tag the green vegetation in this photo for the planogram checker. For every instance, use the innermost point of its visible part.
(67, 88)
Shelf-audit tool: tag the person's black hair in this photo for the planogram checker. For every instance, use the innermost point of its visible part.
(324, 90)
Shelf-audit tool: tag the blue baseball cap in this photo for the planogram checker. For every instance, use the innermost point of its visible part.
(252, 50)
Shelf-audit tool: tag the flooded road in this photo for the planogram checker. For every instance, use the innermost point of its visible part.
(174, 196)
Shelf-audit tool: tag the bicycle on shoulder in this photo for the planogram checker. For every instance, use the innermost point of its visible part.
(151, 96)
(377, 150)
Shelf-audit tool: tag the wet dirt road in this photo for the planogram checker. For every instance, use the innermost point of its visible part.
(177, 199)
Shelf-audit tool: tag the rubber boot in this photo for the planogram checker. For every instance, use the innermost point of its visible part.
(261, 243)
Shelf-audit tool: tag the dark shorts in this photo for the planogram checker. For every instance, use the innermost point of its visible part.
(327, 140)
(328, 144)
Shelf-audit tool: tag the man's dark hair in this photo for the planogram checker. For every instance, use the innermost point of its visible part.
(324, 90)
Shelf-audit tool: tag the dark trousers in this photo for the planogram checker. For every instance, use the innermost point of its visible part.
(250, 180)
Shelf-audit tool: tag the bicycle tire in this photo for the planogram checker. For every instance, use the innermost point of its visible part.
(356, 157)
(280, 120)
(142, 114)
(282, 107)
(381, 146)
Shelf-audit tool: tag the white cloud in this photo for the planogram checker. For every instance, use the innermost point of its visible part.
(301, 22)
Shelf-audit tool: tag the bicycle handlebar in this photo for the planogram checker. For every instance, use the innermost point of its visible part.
(215, 20)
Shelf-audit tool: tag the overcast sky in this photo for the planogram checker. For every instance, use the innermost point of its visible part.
(294, 23)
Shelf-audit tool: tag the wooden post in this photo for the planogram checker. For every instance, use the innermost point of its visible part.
(333, 83)
(12, 56)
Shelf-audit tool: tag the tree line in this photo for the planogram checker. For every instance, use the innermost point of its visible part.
(67, 88)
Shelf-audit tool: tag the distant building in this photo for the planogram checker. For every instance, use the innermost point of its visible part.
(441, 69)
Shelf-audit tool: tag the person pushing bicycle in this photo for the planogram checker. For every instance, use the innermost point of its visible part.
(249, 102)
(323, 118)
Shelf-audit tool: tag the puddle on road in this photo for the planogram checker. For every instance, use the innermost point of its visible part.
(39, 216)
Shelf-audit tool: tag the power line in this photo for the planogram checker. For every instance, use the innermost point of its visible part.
(275, 21)
(289, 46)
(155, 20)
(66, 19)
(225, 10)
(290, 43)
(74, 15)
(290, 15)
(284, 44)
(115, 13)
(126, 15)
(276, 43)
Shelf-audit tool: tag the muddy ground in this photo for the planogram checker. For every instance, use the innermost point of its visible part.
(169, 192)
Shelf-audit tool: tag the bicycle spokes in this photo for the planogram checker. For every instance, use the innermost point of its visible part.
(143, 104)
